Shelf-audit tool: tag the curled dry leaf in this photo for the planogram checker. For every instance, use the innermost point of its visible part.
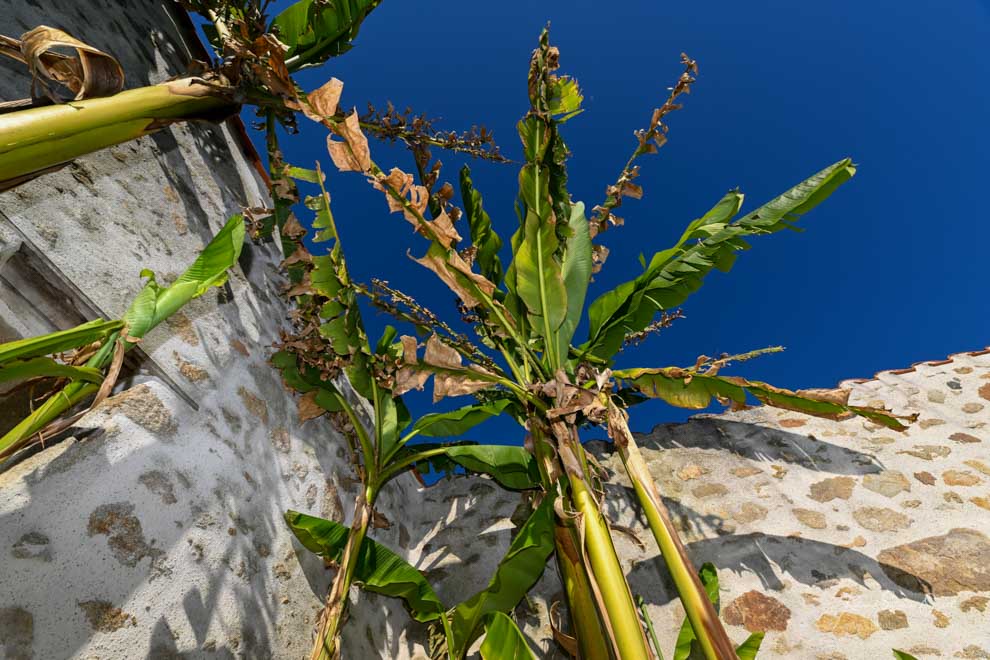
(439, 354)
(323, 102)
(403, 195)
(451, 268)
(408, 377)
(835, 395)
(301, 255)
(292, 228)
(309, 408)
(89, 74)
(353, 154)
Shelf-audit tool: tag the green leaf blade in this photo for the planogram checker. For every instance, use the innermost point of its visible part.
(709, 242)
(378, 569)
(504, 640)
(58, 342)
(516, 574)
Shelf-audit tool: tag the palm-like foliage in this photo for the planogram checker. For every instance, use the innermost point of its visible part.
(528, 317)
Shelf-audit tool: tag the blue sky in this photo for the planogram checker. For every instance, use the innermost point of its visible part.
(891, 270)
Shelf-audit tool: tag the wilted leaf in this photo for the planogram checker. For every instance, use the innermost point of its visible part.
(323, 101)
(400, 184)
(687, 389)
(351, 155)
(456, 274)
(378, 568)
(308, 407)
(447, 384)
(408, 377)
(89, 74)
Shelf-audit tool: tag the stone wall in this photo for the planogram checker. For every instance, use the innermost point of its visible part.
(155, 531)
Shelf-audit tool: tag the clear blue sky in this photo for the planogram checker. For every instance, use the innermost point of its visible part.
(892, 269)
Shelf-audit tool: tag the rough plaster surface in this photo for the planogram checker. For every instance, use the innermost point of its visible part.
(840, 539)
(156, 531)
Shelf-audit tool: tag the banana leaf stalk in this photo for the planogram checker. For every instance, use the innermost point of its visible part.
(708, 629)
(333, 612)
(150, 307)
(603, 569)
(35, 140)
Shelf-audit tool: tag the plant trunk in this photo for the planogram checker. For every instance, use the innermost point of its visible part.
(619, 616)
(700, 612)
(326, 646)
(585, 623)
(39, 139)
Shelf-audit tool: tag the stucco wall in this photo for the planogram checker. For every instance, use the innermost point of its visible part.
(156, 532)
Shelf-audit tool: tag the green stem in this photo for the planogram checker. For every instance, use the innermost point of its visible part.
(701, 613)
(587, 626)
(38, 139)
(399, 466)
(649, 627)
(325, 644)
(366, 445)
(616, 597)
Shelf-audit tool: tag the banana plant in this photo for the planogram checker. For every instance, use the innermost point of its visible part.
(525, 318)
(254, 68)
(99, 346)
(337, 371)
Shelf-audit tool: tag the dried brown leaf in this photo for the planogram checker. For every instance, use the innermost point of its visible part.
(408, 377)
(301, 255)
(451, 270)
(439, 354)
(353, 154)
(89, 74)
(309, 408)
(323, 102)
(292, 228)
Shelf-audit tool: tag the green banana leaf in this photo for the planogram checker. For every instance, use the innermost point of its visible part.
(709, 242)
(378, 569)
(483, 236)
(504, 640)
(44, 366)
(512, 467)
(58, 342)
(456, 422)
(315, 30)
(516, 574)
(155, 303)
